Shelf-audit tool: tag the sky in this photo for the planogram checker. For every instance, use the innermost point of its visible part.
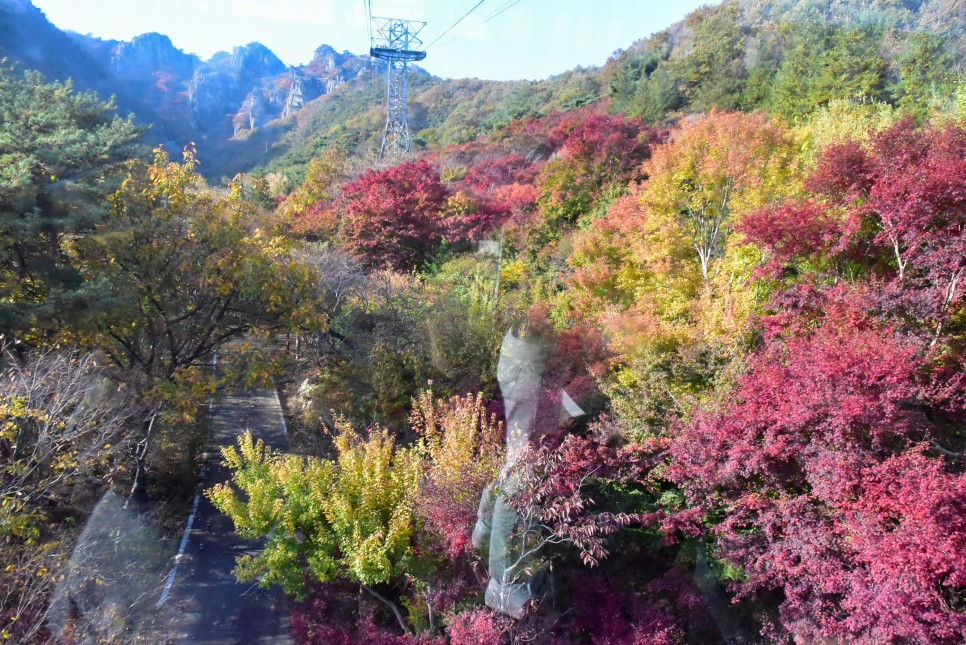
(500, 39)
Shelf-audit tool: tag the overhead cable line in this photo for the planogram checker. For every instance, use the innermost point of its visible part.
(367, 10)
(455, 23)
(508, 5)
(369, 4)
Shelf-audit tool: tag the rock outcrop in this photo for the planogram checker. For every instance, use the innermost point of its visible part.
(184, 98)
(151, 53)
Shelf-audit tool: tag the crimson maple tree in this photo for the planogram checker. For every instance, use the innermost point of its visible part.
(599, 152)
(821, 475)
(896, 207)
(392, 217)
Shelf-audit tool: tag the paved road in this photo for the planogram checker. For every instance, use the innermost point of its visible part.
(205, 604)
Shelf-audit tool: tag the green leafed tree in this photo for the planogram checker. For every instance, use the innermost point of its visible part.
(349, 518)
(926, 74)
(186, 269)
(824, 63)
(712, 73)
(181, 271)
(61, 154)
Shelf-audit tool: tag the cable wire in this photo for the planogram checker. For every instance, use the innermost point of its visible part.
(454, 24)
(367, 9)
(504, 8)
(508, 5)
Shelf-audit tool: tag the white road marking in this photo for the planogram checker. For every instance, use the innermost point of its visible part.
(281, 412)
(184, 545)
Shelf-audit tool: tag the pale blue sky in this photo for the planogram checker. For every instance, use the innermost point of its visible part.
(530, 39)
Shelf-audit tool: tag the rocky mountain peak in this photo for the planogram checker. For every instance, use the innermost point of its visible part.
(257, 60)
(328, 58)
(151, 51)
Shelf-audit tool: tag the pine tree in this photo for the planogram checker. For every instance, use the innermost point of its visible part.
(60, 156)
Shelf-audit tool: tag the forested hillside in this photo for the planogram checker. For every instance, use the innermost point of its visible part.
(182, 98)
(784, 57)
(671, 350)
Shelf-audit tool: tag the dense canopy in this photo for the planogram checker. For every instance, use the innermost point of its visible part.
(671, 350)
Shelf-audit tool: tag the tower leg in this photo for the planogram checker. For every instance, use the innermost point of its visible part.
(395, 140)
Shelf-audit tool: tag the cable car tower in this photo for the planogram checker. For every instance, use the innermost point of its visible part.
(395, 41)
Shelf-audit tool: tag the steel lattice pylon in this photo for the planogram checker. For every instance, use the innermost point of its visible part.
(395, 41)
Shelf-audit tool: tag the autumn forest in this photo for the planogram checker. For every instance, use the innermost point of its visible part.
(670, 350)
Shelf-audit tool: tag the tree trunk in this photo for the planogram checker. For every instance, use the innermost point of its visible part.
(392, 606)
(429, 605)
(139, 489)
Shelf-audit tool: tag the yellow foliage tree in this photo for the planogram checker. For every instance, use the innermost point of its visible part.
(462, 451)
(661, 272)
(310, 209)
(182, 271)
(351, 517)
(714, 169)
(844, 120)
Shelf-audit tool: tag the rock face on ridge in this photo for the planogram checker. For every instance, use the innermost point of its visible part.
(184, 98)
(28, 39)
(154, 52)
(221, 86)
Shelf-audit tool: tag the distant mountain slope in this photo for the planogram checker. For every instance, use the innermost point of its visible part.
(789, 56)
(245, 108)
(785, 56)
(938, 16)
(186, 99)
(27, 37)
(441, 112)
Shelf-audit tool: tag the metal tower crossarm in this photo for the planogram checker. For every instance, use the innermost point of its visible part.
(396, 42)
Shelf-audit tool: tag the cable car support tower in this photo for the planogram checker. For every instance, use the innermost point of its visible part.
(396, 42)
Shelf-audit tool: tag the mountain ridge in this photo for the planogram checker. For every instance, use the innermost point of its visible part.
(247, 109)
(184, 97)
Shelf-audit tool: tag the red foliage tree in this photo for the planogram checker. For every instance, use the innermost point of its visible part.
(792, 233)
(494, 190)
(607, 615)
(919, 199)
(392, 217)
(599, 152)
(901, 203)
(469, 218)
(551, 496)
(538, 137)
(479, 627)
(516, 198)
(490, 174)
(610, 147)
(824, 491)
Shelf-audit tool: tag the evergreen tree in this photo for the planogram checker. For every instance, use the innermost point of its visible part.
(60, 156)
